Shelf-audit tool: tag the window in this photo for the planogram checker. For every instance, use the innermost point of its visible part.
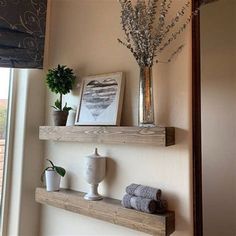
(4, 95)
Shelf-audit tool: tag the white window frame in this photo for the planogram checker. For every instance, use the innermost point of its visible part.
(8, 153)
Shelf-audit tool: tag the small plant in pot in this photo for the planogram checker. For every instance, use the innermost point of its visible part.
(60, 80)
(53, 176)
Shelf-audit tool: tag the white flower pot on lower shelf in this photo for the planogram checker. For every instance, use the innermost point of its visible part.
(53, 176)
(53, 180)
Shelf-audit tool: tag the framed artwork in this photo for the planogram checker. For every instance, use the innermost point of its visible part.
(101, 100)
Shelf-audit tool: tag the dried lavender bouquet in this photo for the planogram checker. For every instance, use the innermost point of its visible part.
(146, 32)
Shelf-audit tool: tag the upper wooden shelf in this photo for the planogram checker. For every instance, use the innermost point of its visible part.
(109, 210)
(158, 136)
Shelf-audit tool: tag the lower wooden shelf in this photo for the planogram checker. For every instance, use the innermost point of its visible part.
(109, 210)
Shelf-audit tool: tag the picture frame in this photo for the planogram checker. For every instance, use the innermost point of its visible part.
(101, 100)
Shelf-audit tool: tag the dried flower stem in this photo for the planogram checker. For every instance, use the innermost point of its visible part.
(141, 37)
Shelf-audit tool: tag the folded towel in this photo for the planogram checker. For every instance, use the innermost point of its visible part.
(139, 203)
(162, 206)
(143, 191)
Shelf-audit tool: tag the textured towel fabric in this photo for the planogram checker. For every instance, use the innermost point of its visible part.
(143, 191)
(139, 203)
(162, 206)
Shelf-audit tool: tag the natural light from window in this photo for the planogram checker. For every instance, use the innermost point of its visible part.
(4, 93)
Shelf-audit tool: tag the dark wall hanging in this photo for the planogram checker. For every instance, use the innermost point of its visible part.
(22, 33)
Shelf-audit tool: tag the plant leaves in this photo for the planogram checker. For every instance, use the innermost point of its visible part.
(58, 104)
(54, 107)
(65, 108)
(60, 79)
(51, 163)
(61, 171)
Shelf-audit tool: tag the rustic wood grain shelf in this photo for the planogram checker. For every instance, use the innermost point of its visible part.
(158, 136)
(109, 210)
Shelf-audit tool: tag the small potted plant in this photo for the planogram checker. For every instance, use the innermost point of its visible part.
(53, 176)
(60, 80)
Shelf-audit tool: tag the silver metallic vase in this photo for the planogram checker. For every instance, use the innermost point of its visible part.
(94, 173)
(146, 105)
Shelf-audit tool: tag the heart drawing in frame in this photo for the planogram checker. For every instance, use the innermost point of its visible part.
(99, 95)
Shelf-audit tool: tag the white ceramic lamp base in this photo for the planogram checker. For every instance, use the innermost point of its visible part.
(93, 195)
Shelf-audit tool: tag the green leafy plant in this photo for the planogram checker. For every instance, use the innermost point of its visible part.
(60, 80)
(61, 171)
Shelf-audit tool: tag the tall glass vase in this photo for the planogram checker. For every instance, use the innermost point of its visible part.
(146, 106)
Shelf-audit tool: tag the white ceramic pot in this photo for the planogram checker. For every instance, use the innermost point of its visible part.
(53, 180)
(71, 118)
(94, 173)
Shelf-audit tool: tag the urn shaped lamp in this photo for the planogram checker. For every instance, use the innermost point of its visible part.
(94, 173)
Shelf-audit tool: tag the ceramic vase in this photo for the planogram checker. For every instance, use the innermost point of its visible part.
(94, 173)
(71, 118)
(53, 180)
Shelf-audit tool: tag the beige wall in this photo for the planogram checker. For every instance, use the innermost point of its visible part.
(218, 117)
(84, 36)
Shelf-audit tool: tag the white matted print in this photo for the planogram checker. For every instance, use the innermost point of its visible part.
(101, 100)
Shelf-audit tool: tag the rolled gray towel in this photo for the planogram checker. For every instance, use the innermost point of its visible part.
(143, 191)
(126, 201)
(162, 206)
(139, 203)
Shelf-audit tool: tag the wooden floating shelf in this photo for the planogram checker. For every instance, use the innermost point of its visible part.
(158, 136)
(109, 210)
